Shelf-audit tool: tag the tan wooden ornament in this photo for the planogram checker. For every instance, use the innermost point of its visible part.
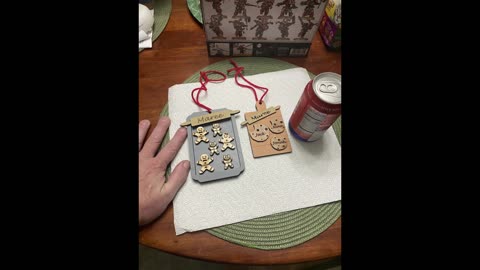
(267, 132)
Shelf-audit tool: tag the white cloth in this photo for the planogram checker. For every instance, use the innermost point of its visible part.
(308, 176)
(145, 23)
(145, 39)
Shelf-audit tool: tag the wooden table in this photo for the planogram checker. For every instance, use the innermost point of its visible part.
(179, 52)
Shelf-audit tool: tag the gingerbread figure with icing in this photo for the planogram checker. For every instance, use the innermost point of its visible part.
(217, 130)
(213, 147)
(205, 161)
(201, 135)
(227, 160)
(227, 141)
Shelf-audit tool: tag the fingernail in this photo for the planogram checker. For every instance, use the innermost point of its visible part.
(186, 164)
(144, 123)
(182, 130)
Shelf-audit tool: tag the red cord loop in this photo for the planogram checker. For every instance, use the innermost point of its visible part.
(238, 71)
(204, 79)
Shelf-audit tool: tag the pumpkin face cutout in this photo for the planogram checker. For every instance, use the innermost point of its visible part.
(260, 132)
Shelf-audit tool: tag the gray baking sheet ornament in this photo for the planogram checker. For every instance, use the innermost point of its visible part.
(214, 146)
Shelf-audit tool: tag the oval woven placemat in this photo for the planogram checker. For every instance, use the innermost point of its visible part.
(280, 230)
(163, 8)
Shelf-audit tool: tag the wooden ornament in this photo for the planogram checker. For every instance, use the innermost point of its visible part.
(267, 132)
(207, 159)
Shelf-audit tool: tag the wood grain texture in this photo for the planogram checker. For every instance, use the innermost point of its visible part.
(179, 52)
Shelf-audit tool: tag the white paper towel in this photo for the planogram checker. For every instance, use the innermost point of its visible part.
(145, 35)
(308, 176)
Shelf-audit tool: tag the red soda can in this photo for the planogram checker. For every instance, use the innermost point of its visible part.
(318, 108)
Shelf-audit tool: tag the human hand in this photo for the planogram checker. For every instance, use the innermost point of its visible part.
(154, 193)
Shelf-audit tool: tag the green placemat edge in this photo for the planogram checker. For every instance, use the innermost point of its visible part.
(195, 9)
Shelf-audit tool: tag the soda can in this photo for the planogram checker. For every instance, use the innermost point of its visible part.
(318, 108)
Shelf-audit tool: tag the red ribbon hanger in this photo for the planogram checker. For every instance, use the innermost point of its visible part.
(204, 79)
(238, 72)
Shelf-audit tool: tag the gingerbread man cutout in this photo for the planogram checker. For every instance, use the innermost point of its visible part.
(217, 130)
(213, 148)
(227, 160)
(205, 161)
(200, 134)
(227, 142)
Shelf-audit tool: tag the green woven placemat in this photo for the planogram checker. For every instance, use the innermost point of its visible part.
(280, 230)
(194, 7)
(162, 8)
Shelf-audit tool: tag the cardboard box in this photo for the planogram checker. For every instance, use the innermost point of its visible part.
(261, 27)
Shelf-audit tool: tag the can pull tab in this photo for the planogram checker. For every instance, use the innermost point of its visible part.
(328, 87)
